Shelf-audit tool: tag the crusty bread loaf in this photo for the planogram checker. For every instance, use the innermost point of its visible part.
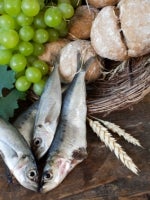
(135, 24)
(105, 35)
(123, 31)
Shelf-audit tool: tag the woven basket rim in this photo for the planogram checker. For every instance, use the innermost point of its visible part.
(123, 87)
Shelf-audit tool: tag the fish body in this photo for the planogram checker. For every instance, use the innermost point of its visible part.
(18, 156)
(25, 122)
(69, 145)
(47, 114)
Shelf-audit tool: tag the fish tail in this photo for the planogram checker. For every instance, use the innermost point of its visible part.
(81, 66)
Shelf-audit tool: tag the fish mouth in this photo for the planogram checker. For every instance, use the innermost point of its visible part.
(61, 170)
(46, 187)
(39, 153)
(31, 186)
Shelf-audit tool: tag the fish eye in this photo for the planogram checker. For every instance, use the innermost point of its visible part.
(24, 156)
(32, 174)
(48, 175)
(37, 142)
(40, 125)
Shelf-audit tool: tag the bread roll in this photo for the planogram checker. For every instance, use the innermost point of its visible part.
(105, 35)
(135, 24)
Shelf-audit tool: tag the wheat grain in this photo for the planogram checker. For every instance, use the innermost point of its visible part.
(110, 142)
(121, 132)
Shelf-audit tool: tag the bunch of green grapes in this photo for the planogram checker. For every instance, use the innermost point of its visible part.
(25, 26)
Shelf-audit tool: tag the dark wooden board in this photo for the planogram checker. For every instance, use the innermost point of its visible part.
(101, 176)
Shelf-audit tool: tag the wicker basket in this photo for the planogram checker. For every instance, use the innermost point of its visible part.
(121, 86)
(125, 85)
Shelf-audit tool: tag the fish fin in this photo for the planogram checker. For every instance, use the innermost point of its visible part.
(49, 117)
(81, 66)
(79, 61)
(88, 63)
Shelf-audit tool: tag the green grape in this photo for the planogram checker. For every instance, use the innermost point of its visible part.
(18, 74)
(18, 62)
(53, 16)
(30, 7)
(24, 20)
(5, 56)
(42, 4)
(25, 48)
(2, 7)
(22, 84)
(53, 35)
(42, 66)
(66, 9)
(39, 87)
(62, 25)
(64, 32)
(26, 33)
(31, 59)
(12, 7)
(39, 20)
(41, 36)
(15, 49)
(33, 74)
(7, 21)
(9, 38)
(2, 47)
(17, 26)
(38, 49)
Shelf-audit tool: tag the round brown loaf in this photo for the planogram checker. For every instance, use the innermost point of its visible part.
(135, 25)
(105, 35)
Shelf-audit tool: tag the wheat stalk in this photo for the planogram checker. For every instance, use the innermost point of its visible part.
(110, 142)
(121, 132)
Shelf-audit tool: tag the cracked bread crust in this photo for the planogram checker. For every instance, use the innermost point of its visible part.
(135, 25)
(106, 38)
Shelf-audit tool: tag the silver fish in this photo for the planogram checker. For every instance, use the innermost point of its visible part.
(69, 146)
(47, 115)
(25, 122)
(18, 156)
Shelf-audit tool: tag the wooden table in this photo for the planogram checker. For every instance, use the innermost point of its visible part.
(101, 176)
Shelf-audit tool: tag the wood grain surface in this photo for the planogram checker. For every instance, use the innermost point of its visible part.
(101, 176)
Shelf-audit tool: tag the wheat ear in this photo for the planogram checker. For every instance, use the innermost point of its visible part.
(110, 142)
(121, 132)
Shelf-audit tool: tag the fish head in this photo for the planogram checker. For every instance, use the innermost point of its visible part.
(54, 173)
(42, 140)
(26, 172)
(57, 168)
(38, 147)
